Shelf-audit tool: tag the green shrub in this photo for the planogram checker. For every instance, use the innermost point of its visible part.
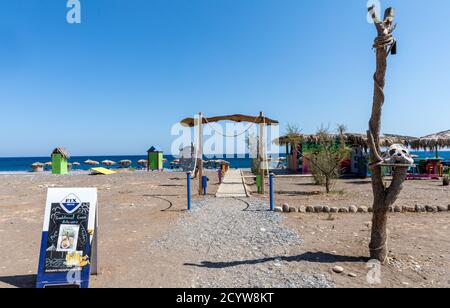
(326, 159)
(446, 180)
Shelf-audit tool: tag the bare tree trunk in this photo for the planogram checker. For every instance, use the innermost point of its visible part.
(384, 196)
(328, 184)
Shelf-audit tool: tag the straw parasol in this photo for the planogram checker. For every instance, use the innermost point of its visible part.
(351, 138)
(142, 162)
(433, 142)
(108, 163)
(125, 163)
(91, 162)
(37, 167)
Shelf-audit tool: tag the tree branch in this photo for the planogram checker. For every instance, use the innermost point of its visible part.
(393, 191)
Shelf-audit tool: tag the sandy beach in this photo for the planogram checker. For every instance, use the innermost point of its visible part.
(148, 239)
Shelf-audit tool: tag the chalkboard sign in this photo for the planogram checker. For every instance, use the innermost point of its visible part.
(69, 238)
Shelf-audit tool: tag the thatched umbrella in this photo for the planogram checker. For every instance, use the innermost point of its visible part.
(37, 167)
(143, 163)
(108, 163)
(125, 163)
(433, 142)
(351, 138)
(75, 164)
(91, 162)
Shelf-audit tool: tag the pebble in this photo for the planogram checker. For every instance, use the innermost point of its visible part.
(431, 208)
(285, 208)
(293, 209)
(408, 209)
(442, 208)
(352, 275)
(318, 209)
(363, 209)
(352, 209)
(343, 210)
(398, 209)
(419, 208)
(278, 209)
(326, 209)
(338, 269)
(309, 209)
(301, 209)
(334, 210)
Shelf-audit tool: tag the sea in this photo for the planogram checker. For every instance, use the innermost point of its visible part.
(23, 164)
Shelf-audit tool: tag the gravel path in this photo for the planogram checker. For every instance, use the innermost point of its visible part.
(236, 243)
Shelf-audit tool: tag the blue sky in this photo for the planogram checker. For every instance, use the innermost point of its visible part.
(118, 82)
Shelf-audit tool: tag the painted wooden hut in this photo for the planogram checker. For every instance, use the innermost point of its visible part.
(155, 158)
(60, 160)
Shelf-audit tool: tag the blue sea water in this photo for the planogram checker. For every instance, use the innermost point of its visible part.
(20, 164)
(17, 164)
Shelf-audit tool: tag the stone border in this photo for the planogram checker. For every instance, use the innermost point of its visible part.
(285, 208)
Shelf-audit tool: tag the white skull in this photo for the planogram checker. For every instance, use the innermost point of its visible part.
(398, 154)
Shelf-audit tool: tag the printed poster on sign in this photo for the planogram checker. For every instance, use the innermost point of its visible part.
(67, 236)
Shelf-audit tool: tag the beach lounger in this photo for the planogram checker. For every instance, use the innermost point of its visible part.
(101, 171)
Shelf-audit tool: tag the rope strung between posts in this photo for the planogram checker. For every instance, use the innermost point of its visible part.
(200, 122)
(230, 136)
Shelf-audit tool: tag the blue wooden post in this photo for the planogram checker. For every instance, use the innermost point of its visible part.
(189, 191)
(272, 197)
(204, 184)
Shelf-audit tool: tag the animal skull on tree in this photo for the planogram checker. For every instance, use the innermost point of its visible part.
(398, 154)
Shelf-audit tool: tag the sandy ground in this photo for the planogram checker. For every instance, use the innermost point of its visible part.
(134, 210)
(419, 243)
(140, 209)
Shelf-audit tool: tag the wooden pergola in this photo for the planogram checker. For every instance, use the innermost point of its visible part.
(261, 120)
